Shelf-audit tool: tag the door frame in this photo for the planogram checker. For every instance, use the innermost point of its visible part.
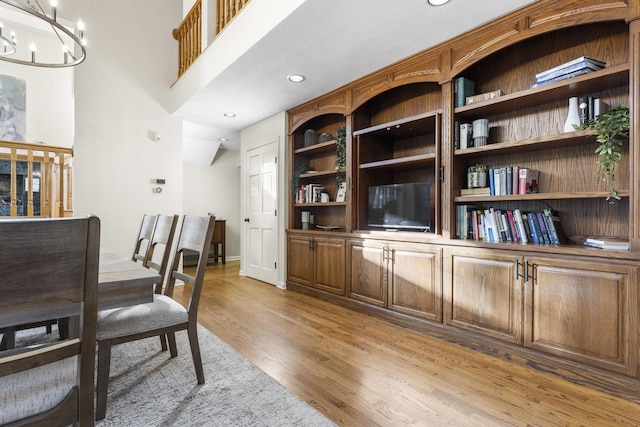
(280, 202)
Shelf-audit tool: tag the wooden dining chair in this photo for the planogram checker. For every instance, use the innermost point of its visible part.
(49, 269)
(163, 316)
(144, 238)
(162, 237)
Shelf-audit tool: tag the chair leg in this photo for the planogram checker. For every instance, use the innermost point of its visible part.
(63, 328)
(8, 338)
(173, 349)
(163, 342)
(104, 365)
(195, 353)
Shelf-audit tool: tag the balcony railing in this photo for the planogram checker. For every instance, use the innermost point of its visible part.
(227, 10)
(35, 180)
(189, 36)
(189, 33)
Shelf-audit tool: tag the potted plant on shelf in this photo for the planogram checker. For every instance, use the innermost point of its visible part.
(610, 128)
(477, 176)
(295, 179)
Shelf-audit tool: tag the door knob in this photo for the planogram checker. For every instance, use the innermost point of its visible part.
(246, 220)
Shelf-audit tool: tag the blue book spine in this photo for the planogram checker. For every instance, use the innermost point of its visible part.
(532, 226)
(543, 228)
(492, 188)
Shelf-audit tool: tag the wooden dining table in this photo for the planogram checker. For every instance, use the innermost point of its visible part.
(123, 282)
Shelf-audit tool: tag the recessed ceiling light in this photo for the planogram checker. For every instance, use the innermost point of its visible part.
(229, 114)
(223, 139)
(295, 78)
(437, 2)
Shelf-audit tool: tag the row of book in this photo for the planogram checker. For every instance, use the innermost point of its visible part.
(463, 135)
(507, 180)
(510, 226)
(513, 180)
(309, 193)
(589, 108)
(573, 68)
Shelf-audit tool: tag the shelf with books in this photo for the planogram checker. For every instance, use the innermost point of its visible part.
(320, 204)
(314, 149)
(527, 130)
(577, 137)
(496, 225)
(537, 196)
(609, 77)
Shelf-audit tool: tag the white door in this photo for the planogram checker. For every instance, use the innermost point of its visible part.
(262, 216)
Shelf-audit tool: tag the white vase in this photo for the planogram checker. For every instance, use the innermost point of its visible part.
(573, 117)
(476, 179)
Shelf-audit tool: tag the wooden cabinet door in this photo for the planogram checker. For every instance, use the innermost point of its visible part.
(585, 311)
(329, 255)
(367, 272)
(415, 282)
(483, 294)
(300, 260)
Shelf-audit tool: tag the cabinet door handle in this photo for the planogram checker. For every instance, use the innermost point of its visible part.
(311, 245)
(526, 270)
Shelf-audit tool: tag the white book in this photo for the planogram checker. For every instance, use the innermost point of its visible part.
(503, 181)
(517, 217)
(464, 135)
(496, 182)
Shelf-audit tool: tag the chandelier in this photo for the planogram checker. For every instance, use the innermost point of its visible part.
(50, 43)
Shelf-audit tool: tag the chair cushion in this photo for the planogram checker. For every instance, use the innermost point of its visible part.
(36, 390)
(119, 322)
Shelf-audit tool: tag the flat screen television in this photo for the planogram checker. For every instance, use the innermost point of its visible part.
(400, 206)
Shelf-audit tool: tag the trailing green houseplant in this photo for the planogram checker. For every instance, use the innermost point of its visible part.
(611, 127)
(295, 179)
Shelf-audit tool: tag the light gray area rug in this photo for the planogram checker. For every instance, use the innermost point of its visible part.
(148, 388)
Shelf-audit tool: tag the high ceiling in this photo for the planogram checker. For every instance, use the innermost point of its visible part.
(331, 43)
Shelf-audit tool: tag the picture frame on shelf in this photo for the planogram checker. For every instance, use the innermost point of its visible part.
(341, 195)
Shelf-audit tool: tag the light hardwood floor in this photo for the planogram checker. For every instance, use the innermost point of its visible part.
(361, 371)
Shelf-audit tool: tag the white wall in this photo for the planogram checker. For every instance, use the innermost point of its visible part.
(49, 103)
(131, 63)
(216, 189)
(270, 129)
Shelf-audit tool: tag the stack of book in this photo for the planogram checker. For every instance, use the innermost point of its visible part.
(510, 226)
(576, 67)
(612, 243)
(309, 193)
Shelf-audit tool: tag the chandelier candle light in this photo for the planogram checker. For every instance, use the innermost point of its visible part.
(33, 20)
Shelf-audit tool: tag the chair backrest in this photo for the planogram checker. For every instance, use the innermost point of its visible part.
(162, 236)
(49, 270)
(144, 238)
(195, 234)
